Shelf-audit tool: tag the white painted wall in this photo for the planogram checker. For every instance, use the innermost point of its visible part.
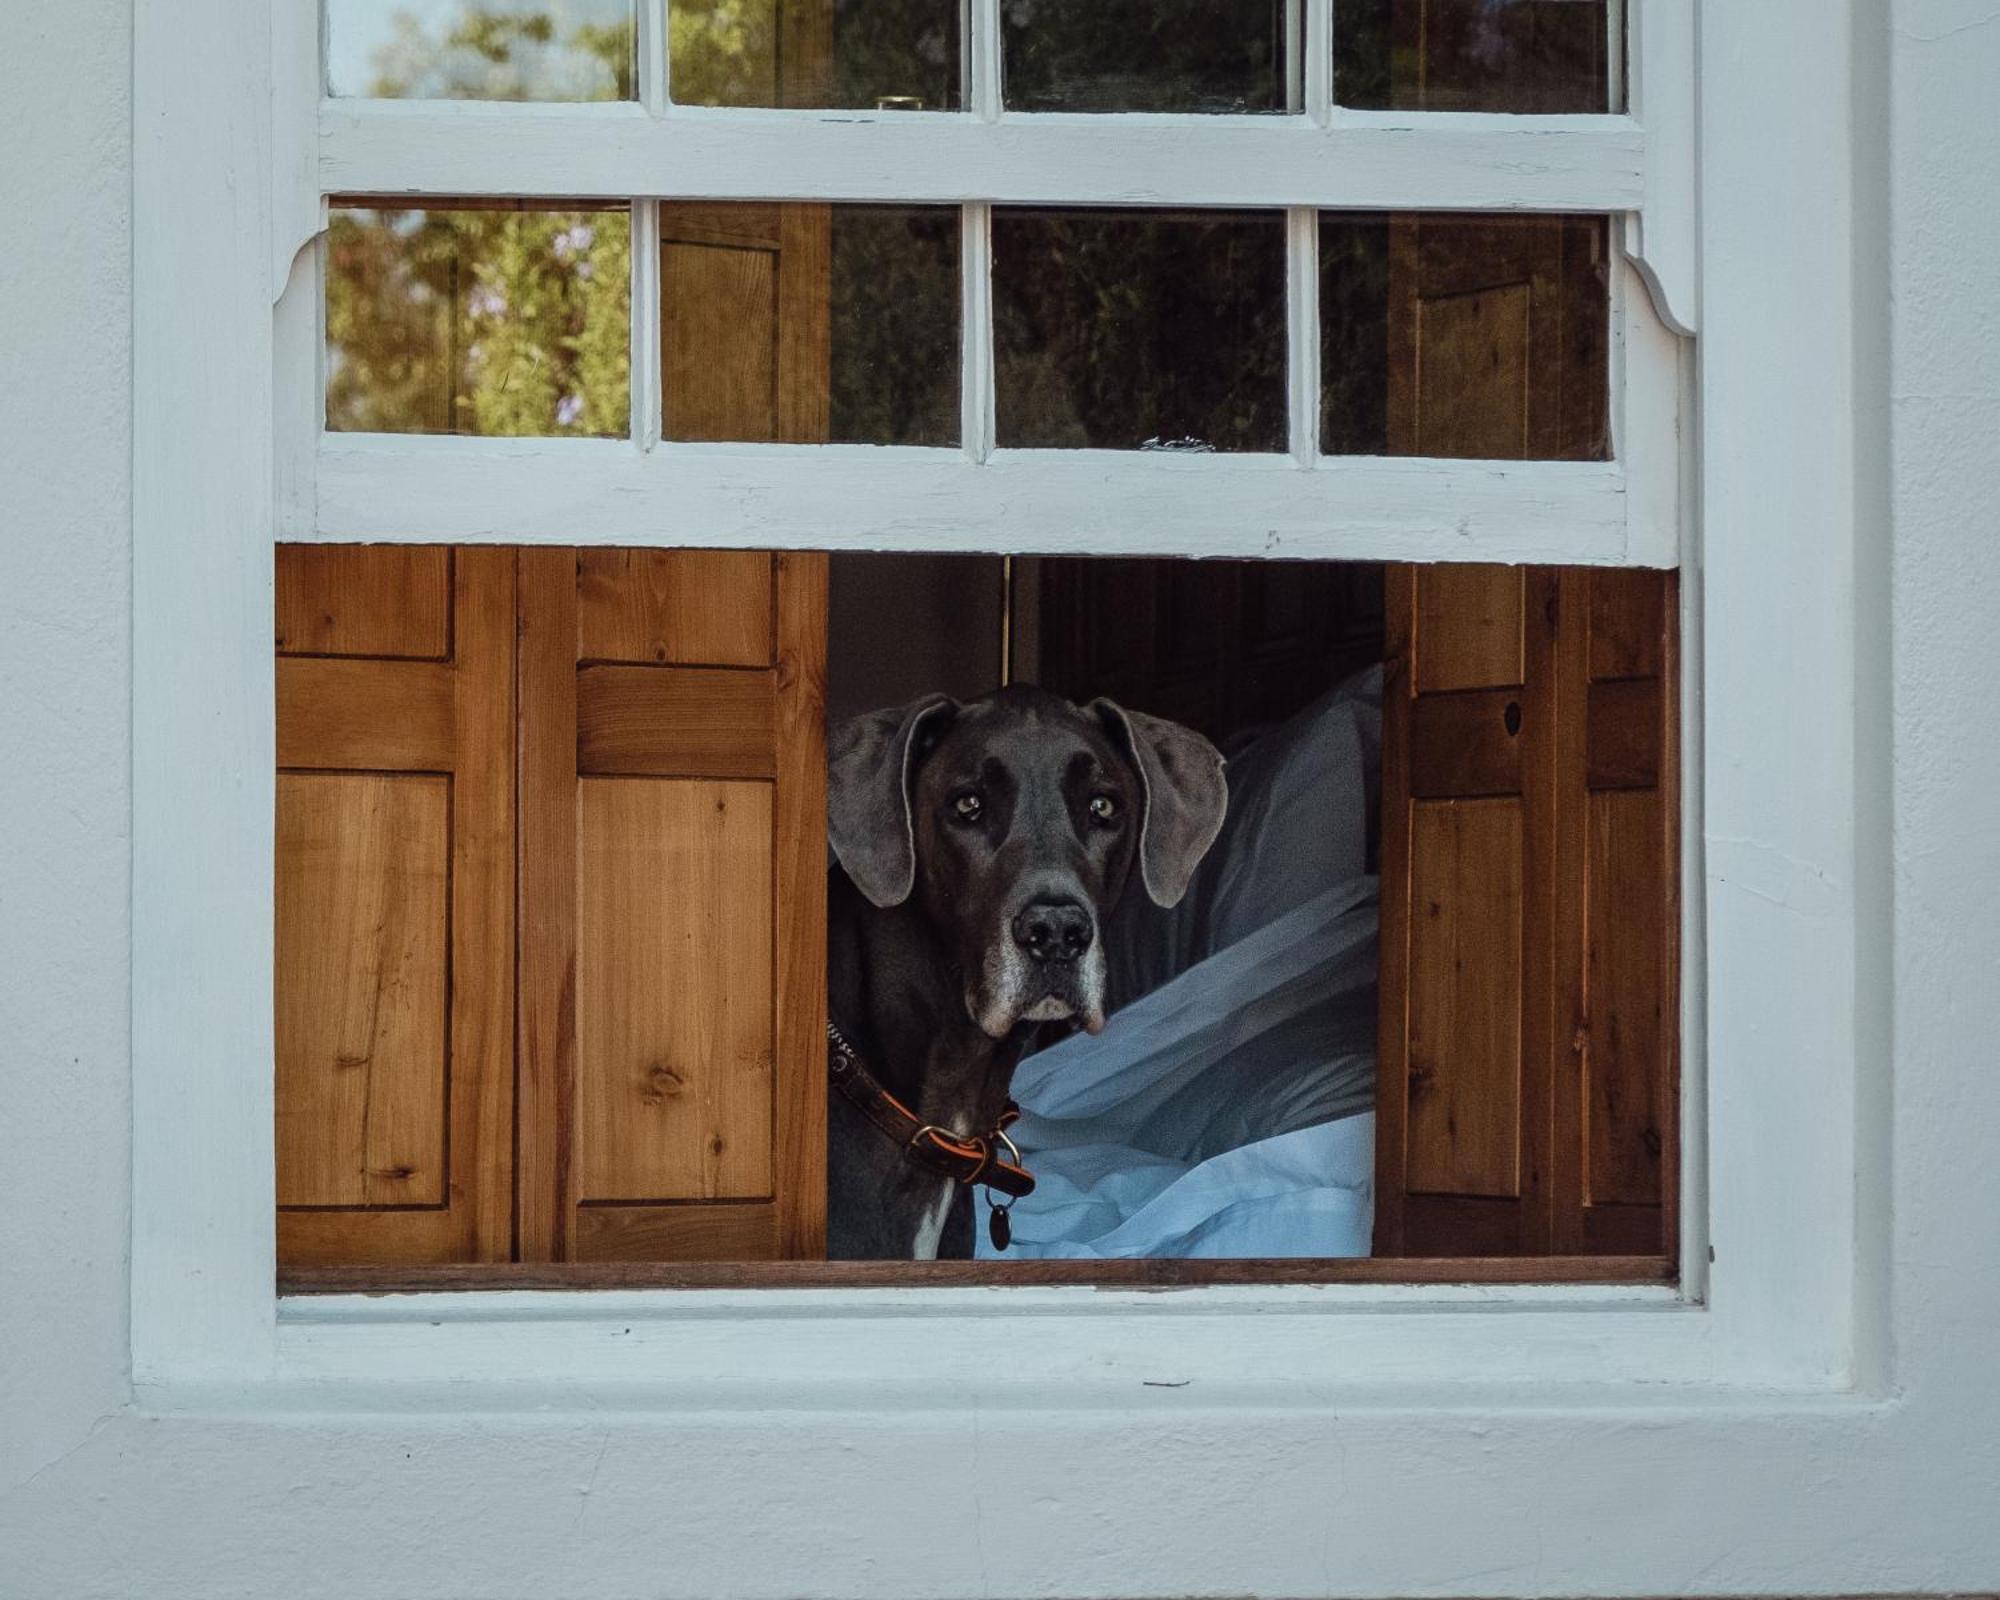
(65, 776)
(359, 1499)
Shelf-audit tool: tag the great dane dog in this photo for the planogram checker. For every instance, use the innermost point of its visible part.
(980, 848)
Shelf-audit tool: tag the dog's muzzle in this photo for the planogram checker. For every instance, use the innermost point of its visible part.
(1048, 967)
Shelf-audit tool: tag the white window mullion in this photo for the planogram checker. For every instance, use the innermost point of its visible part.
(975, 406)
(646, 311)
(982, 85)
(647, 420)
(652, 49)
(1316, 48)
(1302, 330)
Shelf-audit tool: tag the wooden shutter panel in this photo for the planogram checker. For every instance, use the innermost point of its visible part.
(673, 872)
(1530, 927)
(1468, 853)
(1616, 1074)
(394, 915)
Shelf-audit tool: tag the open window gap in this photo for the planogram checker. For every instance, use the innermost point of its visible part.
(1279, 1093)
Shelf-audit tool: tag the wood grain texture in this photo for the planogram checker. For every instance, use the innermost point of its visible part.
(482, 912)
(745, 323)
(1485, 330)
(799, 879)
(747, 1232)
(674, 607)
(675, 1011)
(1616, 1110)
(453, 718)
(1623, 730)
(1469, 631)
(1465, 1050)
(1625, 1027)
(718, 341)
(546, 873)
(1154, 1274)
(1465, 745)
(1496, 334)
(1627, 635)
(363, 866)
(388, 716)
(1469, 857)
(364, 600)
(805, 325)
(717, 722)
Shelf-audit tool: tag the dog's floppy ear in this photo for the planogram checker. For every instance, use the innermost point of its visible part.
(1186, 796)
(869, 762)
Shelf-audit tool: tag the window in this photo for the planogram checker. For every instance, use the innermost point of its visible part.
(1329, 332)
(1781, 1334)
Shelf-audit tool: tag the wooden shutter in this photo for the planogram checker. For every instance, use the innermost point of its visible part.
(1616, 1098)
(395, 911)
(673, 880)
(744, 321)
(1530, 929)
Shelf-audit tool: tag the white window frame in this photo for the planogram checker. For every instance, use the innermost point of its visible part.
(1636, 166)
(234, 149)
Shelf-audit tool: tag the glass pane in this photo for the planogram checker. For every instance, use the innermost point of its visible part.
(1146, 55)
(1139, 330)
(480, 49)
(868, 54)
(1474, 55)
(1454, 335)
(810, 323)
(493, 319)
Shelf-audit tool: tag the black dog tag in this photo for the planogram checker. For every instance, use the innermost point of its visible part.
(998, 1228)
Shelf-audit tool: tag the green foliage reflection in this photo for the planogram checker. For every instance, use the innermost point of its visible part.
(504, 322)
(523, 50)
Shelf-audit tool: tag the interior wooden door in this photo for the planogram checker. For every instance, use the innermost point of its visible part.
(673, 883)
(395, 905)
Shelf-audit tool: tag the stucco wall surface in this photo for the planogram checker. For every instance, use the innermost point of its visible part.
(65, 670)
(360, 1497)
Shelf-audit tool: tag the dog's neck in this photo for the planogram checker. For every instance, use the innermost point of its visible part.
(901, 1003)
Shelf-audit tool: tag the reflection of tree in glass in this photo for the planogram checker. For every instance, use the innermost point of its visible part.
(822, 53)
(511, 50)
(894, 325)
(489, 321)
(1144, 55)
(1120, 330)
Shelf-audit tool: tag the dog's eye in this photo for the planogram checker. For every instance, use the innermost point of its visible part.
(1103, 808)
(968, 808)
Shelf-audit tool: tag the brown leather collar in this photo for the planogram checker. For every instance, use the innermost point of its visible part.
(975, 1158)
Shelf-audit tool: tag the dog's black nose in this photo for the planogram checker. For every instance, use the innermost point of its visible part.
(1053, 930)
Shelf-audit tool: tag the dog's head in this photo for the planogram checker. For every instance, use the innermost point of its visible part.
(1014, 823)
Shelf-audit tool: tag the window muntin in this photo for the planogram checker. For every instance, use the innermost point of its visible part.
(1128, 329)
